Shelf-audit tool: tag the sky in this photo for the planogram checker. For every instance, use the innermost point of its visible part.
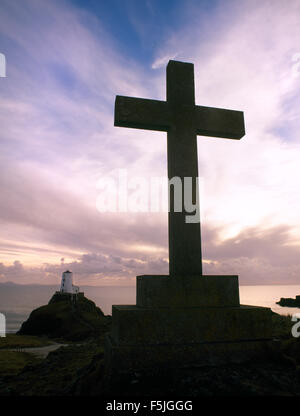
(66, 60)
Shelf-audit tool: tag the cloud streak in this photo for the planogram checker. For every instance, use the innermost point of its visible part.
(58, 139)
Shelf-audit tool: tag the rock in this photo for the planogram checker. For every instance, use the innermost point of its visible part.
(67, 317)
(290, 302)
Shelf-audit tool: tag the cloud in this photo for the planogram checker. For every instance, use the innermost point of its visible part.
(258, 256)
(163, 61)
(58, 139)
(243, 61)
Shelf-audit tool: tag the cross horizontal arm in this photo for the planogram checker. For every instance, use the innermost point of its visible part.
(218, 122)
(140, 113)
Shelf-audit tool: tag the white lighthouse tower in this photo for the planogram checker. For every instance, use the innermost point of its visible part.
(67, 283)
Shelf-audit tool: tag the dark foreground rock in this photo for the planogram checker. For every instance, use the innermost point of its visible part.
(67, 317)
(79, 370)
(276, 374)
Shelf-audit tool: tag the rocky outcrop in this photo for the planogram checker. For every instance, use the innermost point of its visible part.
(68, 317)
(290, 302)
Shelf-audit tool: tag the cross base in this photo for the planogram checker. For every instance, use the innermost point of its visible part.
(159, 291)
(188, 320)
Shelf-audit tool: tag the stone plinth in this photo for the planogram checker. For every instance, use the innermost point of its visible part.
(186, 291)
(133, 325)
(188, 320)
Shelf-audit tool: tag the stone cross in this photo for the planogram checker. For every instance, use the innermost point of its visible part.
(183, 121)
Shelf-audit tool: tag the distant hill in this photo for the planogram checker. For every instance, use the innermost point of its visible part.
(67, 317)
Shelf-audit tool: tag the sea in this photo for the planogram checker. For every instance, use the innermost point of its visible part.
(17, 301)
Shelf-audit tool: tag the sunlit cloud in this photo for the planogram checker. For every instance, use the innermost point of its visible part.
(58, 139)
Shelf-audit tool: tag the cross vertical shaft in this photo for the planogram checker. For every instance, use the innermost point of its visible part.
(184, 238)
(183, 121)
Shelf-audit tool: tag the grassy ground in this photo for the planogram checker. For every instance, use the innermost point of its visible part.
(12, 362)
(52, 376)
(23, 341)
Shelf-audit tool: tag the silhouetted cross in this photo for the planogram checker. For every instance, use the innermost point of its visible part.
(183, 121)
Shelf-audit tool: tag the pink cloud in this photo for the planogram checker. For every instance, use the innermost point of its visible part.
(57, 142)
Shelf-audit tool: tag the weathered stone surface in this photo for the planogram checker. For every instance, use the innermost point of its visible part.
(159, 291)
(133, 325)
